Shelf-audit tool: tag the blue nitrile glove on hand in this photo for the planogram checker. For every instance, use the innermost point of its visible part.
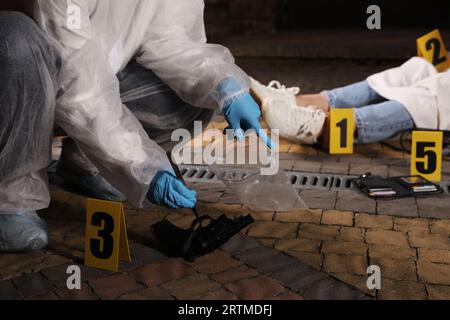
(166, 190)
(242, 112)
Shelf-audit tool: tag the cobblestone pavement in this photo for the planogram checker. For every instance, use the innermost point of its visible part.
(320, 253)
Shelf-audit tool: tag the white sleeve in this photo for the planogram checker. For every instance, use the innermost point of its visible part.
(175, 49)
(89, 107)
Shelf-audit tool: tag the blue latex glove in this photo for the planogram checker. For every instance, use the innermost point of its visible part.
(167, 190)
(242, 112)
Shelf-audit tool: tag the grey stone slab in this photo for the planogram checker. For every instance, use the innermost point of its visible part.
(8, 291)
(330, 289)
(398, 171)
(355, 160)
(335, 167)
(319, 199)
(57, 276)
(323, 158)
(299, 276)
(437, 207)
(32, 284)
(355, 201)
(254, 256)
(146, 255)
(358, 169)
(446, 166)
(307, 166)
(282, 261)
(239, 244)
(292, 156)
(405, 207)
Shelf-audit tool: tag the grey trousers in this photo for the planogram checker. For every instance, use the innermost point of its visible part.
(29, 66)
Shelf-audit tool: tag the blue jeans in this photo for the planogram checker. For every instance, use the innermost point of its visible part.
(377, 119)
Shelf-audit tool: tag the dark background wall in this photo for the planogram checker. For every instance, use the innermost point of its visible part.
(260, 16)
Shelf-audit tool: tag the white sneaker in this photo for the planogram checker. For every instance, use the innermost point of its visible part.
(274, 91)
(302, 125)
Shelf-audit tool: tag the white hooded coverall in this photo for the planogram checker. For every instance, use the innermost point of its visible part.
(165, 36)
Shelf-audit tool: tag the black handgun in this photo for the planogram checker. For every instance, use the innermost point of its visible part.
(199, 239)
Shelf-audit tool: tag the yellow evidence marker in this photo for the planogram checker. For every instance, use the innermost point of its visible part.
(432, 48)
(342, 130)
(426, 154)
(106, 235)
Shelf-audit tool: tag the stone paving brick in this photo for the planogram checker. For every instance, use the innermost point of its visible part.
(298, 276)
(307, 166)
(339, 218)
(396, 269)
(388, 251)
(440, 226)
(32, 284)
(258, 288)
(17, 264)
(281, 262)
(301, 215)
(405, 207)
(353, 264)
(217, 209)
(319, 199)
(215, 262)
(57, 276)
(114, 286)
(85, 293)
(429, 240)
(411, 225)
(181, 221)
(315, 232)
(376, 222)
(288, 296)
(273, 230)
(434, 207)
(434, 255)
(259, 256)
(151, 293)
(191, 287)
(335, 168)
(301, 245)
(354, 280)
(344, 248)
(386, 237)
(358, 169)
(287, 165)
(329, 289)
(8, 291)
(220, 295)
(233, 275)
(433, 273)
(240, 243)
(209, 196)
(146, 255)
(401, 290)
(355, 201)
(351, 234)
(260, 215)
(267, 242)
(399, 171)
(436, 292)
(167, 271)
(310, 258)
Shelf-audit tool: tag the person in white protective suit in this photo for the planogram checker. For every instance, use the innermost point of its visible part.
(413, 95)
(118, 77)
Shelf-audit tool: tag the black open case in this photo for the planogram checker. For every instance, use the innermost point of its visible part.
(377, 187)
